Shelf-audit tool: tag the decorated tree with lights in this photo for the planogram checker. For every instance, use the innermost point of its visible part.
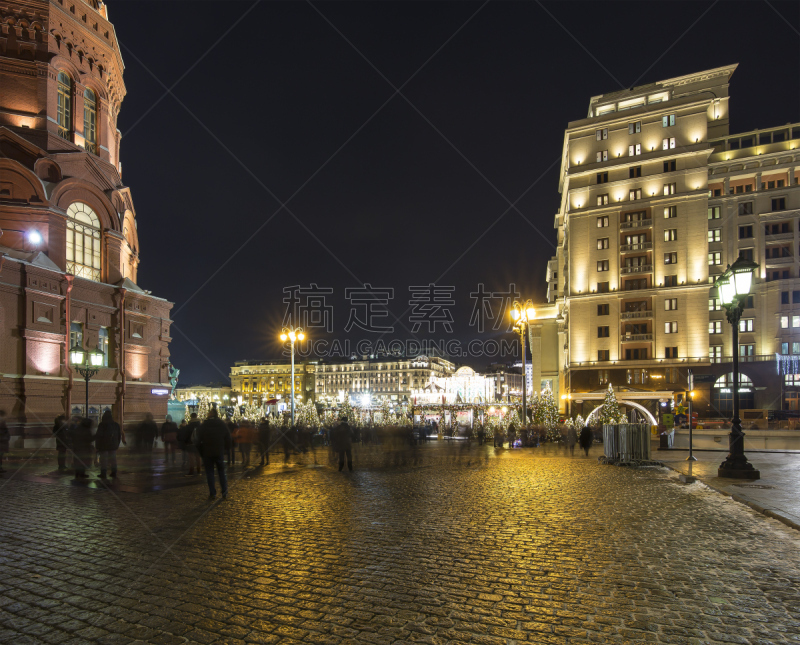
(203, 407)
(579, 422)
(307, 416)
(609, 412)
(348, 411)
(548, 414)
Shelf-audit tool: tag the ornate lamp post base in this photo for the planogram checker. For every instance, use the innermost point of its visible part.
(736, 465)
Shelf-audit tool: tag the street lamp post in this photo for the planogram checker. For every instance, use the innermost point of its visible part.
(523, 315)
(292, 334)
(733, 286)
(87, 363)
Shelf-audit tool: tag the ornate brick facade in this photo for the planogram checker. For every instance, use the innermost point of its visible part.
(69, 251)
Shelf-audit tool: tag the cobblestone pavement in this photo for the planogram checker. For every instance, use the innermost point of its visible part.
(463, 547)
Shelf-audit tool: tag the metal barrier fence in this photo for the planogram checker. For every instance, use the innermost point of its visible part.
(626, 443)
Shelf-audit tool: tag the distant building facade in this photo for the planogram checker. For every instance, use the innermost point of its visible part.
(256, 382)
(69, 251)
(657, 199)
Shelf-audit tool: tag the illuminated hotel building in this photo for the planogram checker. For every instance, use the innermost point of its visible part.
(657, 198)
(257, 382)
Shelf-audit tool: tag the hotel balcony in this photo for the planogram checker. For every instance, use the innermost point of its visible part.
(641, 223)
(779, 261)
(636, 315)
(630, 248)
(636, 338)
(642, 268)
(778, 237)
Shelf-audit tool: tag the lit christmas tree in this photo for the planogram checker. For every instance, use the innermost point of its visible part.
(347, 410)
(203, 407)
(609, 413)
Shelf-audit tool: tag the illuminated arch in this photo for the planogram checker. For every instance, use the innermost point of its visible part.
(638, 406)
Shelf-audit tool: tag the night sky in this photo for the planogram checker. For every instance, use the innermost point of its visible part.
(295, 102)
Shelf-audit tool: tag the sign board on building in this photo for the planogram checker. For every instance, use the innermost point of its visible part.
(668, 420)
(160, 391)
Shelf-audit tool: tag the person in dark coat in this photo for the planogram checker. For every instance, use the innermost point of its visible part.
(342, 442)
(106, 442)
(572, 439)
(60, 433)
(80, 440)
(214, 442)
(264, 438)
(148, 431)
(585, 439)
(5, 438)
(185, 434)
(169, 435)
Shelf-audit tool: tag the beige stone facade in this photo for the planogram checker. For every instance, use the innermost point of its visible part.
(656, 200)
(257, 382)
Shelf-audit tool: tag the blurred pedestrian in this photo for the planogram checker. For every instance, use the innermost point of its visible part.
(181, 446)
(106, 442)
(169, 435)
(187, 440)
(342, 440)
(5, 438)
(246, 437)
(264, 437)
(148, 431)
(233, 430)
(572, 439)
(585, 439)
(512, 435)
(80, 440)
(214, 441)
(60, 433)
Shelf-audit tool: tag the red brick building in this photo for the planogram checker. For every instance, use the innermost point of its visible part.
(69, 251)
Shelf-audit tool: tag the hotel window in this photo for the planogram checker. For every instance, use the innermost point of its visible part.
(670, 281)
(602, 134)
(602, 287)
(634, 149)
(795, 322)
(603, 355)
(90, 121)
(745, 232)
(670, 234)
(784, 297)
(749, 302)
(602, 177)
(635, 194)
(715, 235)
(670, 166)
(715, 353)
(76, 334)
(602, 332)
(745, 208)
(795, 348)
(602, 155)
(634, 128)
(746, 254)
(602, 265)
(102, 344)
(666, 144)
(714, 326)
(671, 327)
(635, 172)
(670, 352)
(602, 200)
(795, 297)
(670, 304)
(602, 310)
(670, 258)
(667, 120)
(714, 304)
(602, 243)
(746, 324)
(779, 204)
(602, 222)
(713, 212)
(603, 375)
(714, 258)
(83, 242)
(669, 189)
(747, 350)
(670, 212)
(64, 108)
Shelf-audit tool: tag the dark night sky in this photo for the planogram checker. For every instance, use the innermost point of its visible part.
(278, 95)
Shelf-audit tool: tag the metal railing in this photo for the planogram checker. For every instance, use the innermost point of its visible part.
(627, 315)
(641, 223)
(626, 443)
(64, 133)
(628, 338)
(641, 246)
(789, 259)
(642, 268)
(774, 237)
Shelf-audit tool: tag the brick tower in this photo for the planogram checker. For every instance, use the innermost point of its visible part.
(69, 250)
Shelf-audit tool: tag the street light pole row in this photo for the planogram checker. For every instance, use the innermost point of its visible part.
(292, 334)
(523, 315)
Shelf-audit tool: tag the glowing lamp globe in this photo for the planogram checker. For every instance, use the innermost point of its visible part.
(531, 313)
(96, 358)
(76, 355)
(284, 337)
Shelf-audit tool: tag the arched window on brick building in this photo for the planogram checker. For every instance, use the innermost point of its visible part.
(90, 121)
(83, 242)
(64, 112)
